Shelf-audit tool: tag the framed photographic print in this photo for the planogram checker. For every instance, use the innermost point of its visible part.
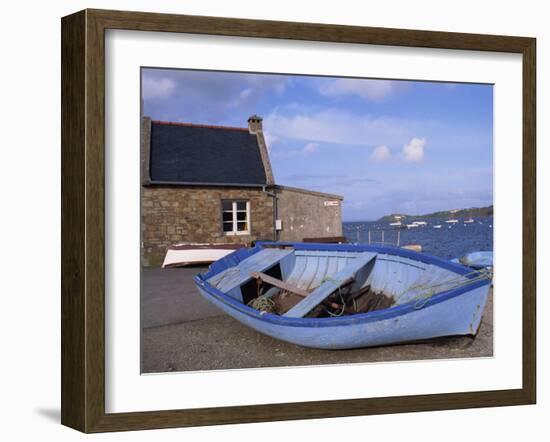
(268, 220)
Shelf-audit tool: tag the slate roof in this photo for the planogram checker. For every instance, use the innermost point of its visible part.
(200, 154)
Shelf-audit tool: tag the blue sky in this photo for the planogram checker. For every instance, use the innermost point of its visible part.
(387, 146)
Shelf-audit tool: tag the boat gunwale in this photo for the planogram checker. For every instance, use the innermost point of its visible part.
(239, 255)
(360, 318)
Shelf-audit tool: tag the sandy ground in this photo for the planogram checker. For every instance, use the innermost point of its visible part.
(183, 332)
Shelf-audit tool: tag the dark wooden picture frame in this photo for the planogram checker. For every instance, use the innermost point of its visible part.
(83, 220)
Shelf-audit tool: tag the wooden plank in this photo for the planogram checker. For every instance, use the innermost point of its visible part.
(280, 284)
(363, 274)
(298, 270)
(332, 267)
(306, 281)
(238, 275)
(328, 287)
(320, 274)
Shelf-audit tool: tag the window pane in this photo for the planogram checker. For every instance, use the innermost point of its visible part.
(241, 216)
(241, 227)
(228, 227)
(227, 205)
(241, 205)
(227, 216)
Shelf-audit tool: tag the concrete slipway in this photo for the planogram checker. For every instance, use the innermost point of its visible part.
(183, 332)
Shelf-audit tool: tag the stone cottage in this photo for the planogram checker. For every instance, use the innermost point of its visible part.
(214, 184)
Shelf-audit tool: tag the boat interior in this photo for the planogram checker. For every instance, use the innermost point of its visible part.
(300, 283)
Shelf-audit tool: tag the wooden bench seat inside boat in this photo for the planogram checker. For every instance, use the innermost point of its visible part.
(356, 271)
(230, 280)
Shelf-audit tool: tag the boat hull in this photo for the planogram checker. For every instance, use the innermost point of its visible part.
(455, 312)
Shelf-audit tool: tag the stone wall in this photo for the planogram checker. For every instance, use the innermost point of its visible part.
(171, 215)
(145, 150)
(308, 214)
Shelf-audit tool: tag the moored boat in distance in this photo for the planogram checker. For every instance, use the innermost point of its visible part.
(437, 226)
(413, 247)
(452, 221)
(337, 296)
(470, 220)
(397, 223)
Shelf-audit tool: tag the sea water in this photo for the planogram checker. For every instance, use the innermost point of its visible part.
(450, 241)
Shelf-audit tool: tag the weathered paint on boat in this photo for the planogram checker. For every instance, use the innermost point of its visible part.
(451, 311)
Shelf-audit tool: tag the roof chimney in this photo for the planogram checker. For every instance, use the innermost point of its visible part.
(254, 124)
(255, 128)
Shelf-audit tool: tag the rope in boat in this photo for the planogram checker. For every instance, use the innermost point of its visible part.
(338, 283)
(266, 305)
(427, 291)
(262, 303)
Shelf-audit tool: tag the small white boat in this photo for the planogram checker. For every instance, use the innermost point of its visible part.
(451, 221)
(396, 224)
(184, 254)
(469, 221)
(420, 223)
(414, 247)
(438, 226)
(476, 260)
(412, 226)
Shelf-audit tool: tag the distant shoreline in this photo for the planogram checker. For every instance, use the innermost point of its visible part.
(444, 214)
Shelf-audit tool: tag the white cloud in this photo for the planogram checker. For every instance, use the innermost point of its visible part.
(245, 93)
(372, 90)
(308, 149)
(157, 87)
(311, 148)
(270, 140)
(414, 150)
(262, 82)
(380, 154)
(280, 87)
(340, 127)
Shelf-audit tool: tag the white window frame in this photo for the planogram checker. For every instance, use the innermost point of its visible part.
(235, 231)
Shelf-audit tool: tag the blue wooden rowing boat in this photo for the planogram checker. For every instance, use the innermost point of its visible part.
(431, 297)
